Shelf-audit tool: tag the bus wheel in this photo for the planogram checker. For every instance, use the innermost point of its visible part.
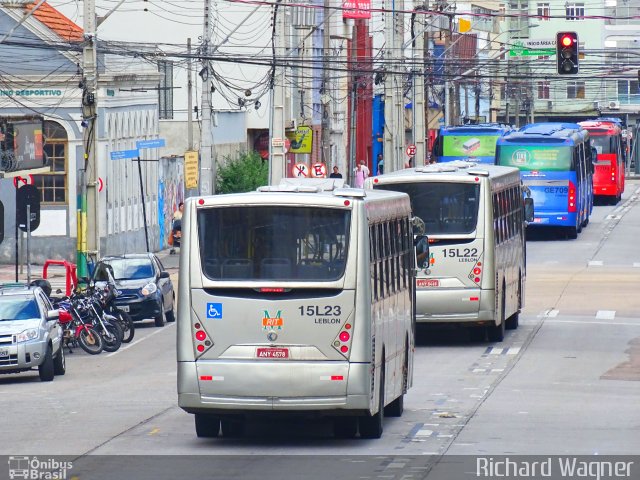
(345, 427)
(207, 426)
(496, 332)
(396, 408)
(371, 426)
(232, 427)
(571, 233)
(514, 320)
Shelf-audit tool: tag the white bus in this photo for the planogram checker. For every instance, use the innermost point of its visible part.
(296, 300)
(475, 218)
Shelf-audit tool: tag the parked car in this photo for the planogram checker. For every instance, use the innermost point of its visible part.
(146, 290)
(30, 334)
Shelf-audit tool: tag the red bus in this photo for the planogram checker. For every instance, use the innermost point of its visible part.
(608, 178)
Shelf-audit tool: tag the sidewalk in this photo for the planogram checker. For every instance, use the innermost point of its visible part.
(56, 274)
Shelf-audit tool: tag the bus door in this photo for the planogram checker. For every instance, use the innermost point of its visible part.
(266, 327)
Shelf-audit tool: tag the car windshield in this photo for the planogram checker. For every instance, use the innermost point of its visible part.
(130, 268)
(18, 308)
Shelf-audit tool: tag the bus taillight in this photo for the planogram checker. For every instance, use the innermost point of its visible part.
(342, 342)
(476, 273)
(572, 198)
(201, 338)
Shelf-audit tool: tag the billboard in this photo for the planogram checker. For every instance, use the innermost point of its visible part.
(21, 144)
(469, 145)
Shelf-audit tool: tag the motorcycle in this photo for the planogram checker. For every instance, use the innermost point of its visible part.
(75, 331)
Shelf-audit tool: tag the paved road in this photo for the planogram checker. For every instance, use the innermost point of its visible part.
(566, 382)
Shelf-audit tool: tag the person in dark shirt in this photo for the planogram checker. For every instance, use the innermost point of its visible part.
(336, 173)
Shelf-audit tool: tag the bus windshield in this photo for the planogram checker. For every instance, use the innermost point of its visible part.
(536, 157)
(604, 144)
(469, 145)
(273, 243)
(446, 208)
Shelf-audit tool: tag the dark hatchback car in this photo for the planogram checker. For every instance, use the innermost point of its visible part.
(146, 290)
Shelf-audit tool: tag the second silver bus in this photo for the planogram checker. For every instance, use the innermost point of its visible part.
(475, 218)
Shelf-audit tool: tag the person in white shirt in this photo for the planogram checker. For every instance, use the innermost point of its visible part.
(361, 173)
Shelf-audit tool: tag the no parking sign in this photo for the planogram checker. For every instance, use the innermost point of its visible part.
(300, 170)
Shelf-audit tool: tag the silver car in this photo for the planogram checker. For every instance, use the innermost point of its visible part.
(30, 334)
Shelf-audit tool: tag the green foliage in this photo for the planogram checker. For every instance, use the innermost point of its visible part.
(242, 174)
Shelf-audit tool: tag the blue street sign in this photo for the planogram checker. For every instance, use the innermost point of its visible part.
(155, 143)
(124, 154)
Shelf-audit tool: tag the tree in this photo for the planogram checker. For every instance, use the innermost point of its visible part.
(242, 174)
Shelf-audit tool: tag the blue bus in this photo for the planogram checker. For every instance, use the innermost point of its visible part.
(556, 163)
(469, 142)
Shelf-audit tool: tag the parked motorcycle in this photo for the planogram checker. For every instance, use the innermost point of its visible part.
(77, 332)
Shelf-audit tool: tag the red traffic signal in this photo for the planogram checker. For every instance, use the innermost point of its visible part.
(566, 41)
(567, 53)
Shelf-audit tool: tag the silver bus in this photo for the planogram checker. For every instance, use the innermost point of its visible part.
(296, 300)
(474, 215)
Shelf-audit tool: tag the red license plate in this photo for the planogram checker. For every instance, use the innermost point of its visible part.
(272, 353)
(421, 282)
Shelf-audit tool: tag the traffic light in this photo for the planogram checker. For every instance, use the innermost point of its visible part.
(567, 53)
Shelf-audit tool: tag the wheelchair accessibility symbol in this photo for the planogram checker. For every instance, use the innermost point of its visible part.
(214, 310)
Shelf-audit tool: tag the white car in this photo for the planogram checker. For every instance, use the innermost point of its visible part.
(30, 334)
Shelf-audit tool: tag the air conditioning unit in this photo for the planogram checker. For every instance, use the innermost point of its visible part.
(290, 125)
(549, 105)
(614, 105)
(596, 105)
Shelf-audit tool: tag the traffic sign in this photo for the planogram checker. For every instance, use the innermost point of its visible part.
(124, 154)
(319, 170)
(300, 170)
(20, 181)
(100, 184)
(411, 150)
(154, 143)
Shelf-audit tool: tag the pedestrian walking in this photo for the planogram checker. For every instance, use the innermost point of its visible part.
(336, 173)
(176, 228)
(380, 164)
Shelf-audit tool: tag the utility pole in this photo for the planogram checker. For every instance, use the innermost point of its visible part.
(88, 221)
(325, 98)
(277, 152)
(206, 183)
(418, 104)
(394, 131)
(189, 97)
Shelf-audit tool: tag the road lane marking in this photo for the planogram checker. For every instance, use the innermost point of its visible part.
(551, 313)
(606, 315)
(595, 263)
(154, 431)
(591, 322)
(128, 346)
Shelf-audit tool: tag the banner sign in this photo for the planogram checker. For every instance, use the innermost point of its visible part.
(356, 9)
(191, 169)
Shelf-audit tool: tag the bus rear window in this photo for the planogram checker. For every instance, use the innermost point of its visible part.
(534, 157)
(446, 208)
(273, 243)
(604, 144)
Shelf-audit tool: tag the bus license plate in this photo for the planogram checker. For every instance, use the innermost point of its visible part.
(4, 353)
(272, 353)
(124, 308)
(421, 282)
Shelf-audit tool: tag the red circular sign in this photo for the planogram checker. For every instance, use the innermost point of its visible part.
(411, 150)
(20, 181)
(319, 170)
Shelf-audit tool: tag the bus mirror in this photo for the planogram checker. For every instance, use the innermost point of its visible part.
(418, 226)
(421, 243)
(528, 209)
(594, 154)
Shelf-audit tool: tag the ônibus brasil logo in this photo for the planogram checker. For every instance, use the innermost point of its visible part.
(33, 468)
